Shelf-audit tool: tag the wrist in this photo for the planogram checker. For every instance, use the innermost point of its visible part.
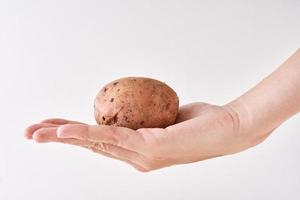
(244, 126)
(267, 105)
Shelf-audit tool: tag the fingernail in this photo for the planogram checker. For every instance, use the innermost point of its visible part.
(59, 132)
(68, 130)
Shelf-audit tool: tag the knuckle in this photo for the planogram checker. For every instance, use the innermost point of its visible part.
(103, 147)
(93, 149)
(100, 146)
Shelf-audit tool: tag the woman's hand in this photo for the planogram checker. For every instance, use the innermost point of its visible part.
(202, 131)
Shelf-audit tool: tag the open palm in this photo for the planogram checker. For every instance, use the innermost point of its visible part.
(201, 131)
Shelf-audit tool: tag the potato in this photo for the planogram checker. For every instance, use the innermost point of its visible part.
(136, 102)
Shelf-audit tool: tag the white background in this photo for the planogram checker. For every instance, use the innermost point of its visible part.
(55, 55)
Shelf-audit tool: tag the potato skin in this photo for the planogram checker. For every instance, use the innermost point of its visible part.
(136, 102)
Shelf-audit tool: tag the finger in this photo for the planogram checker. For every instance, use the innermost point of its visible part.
(48, 134)
(59, 121)
(44, 135)
(190, 111)
(118, 136)
(31, 129)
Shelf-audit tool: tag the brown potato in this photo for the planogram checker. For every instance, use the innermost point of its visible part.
(136, 102)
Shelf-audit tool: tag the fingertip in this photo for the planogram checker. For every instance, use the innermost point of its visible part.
(28, 132)
(38, 137)
(27, 136)
(44, 135)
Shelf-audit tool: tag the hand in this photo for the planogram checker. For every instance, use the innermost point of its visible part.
(202, 131)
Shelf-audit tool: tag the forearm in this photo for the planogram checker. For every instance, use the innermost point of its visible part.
(272, 101)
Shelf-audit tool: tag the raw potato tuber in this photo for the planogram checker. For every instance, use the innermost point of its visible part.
(136, 102)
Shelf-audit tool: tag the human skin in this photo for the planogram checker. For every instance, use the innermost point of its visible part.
(202, 130)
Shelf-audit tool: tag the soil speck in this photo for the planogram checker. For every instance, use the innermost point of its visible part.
(115, 83)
